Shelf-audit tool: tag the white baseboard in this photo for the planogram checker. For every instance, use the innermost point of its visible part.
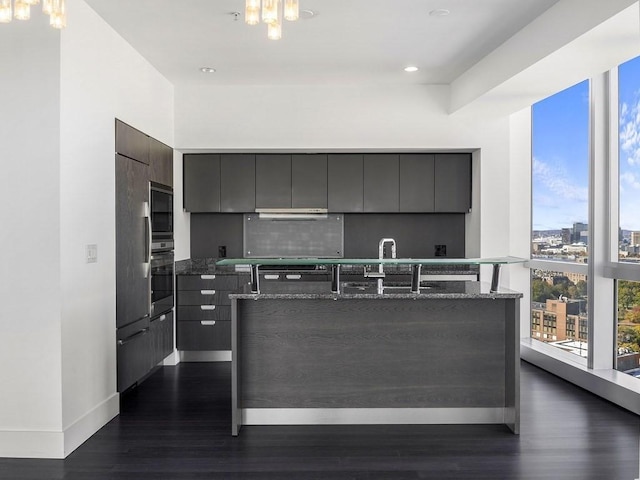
(56, 444)
(205, 356)
(79, 431)
(172, 360)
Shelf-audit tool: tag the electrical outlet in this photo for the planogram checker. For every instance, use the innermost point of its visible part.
(441, 251)
(222, 251)
(92, 253)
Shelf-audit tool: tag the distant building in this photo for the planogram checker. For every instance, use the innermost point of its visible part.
(566, 236)
(635, 238)
(580, 233)
(557, 320)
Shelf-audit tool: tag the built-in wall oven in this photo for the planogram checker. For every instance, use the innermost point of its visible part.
(161, 248)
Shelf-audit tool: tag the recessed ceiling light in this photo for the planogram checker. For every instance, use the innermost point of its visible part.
(439, 12)
(207, 70)
(411, 68)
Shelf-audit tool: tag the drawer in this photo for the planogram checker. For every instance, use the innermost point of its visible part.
(292, 277)
(203, 297)
(203, 312)
(207, 282)
(211, 336)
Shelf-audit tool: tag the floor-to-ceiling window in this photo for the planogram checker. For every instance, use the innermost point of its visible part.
(560, 211)
(628, 228)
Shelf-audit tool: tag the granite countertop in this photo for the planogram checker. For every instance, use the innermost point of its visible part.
(322, 290)
(207, 266)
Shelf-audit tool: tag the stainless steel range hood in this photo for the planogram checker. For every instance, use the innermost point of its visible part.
(293, 213)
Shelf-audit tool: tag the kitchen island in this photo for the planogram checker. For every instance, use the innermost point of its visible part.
(302, 354)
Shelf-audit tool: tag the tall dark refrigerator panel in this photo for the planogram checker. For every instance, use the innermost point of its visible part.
(132, 270)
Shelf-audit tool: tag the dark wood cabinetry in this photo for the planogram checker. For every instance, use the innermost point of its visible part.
(309, 181)
(237, 183)
(202, 182)
(131, 142)
(204, 311)
(417, 183)
(345, 182)
(142, 342)
(381, 183)
(273, 181)
(160, 162)
(342, 183)
(452, 182)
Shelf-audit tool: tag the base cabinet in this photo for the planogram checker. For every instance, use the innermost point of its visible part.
(204, 311)
(161, 329)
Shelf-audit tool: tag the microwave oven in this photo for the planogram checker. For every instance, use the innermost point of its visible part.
(161, 200)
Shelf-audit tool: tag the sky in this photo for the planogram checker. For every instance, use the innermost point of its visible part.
(629, 146)
(561, 148)
(560, 139)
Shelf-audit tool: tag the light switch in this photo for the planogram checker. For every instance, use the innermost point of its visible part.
(92, 253)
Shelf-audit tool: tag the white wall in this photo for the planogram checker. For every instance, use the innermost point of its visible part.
(30, 397)
(322, 118)
(58, 195)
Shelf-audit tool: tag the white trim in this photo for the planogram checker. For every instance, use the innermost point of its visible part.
(614, 386)
(171, 360)
(80, 430)
(56, 444)
(371, 416)
(205, 356)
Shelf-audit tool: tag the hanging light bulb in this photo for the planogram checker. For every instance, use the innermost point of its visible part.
(22, 10)
(252, 12)
(58, 17)
(274, 31)
(47, 6)
(270, 11)
(31, 2)
(5, 11)
(291, 10)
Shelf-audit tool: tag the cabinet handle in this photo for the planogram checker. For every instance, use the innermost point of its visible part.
(207, 307)
(292, 276)
(207, 323)
(271, 277)
(162, 318)
(132, 337)
(208, 277)
(207, 292)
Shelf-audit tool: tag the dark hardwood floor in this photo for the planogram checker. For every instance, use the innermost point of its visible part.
(176, 425)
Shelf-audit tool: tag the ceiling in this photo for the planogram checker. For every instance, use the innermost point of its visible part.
(352, 42)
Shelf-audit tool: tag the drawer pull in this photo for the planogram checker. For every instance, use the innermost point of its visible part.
(207, 323)
(162, 318)
(207, 292)
(208, 277)
(207, 307)
(292, 276)
(271, 277)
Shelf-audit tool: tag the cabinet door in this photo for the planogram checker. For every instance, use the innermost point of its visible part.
(381, 183)
(417, 182)
(273, 181)
(131, 142)
(201, 182)
(345, 182)
(452, 182)
(237, 183)
(309, 181)
(132, 240)
(160, 162)
(161, 330)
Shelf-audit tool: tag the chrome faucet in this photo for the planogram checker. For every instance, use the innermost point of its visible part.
(381, 274)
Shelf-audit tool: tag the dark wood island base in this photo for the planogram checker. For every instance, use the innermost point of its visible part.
(446, 355)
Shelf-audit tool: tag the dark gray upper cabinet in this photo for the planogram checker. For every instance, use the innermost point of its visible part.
(273, 181)
(201, 182)
(237, 182)
(309, 181)
(161, 162)
(345, 182)
(453, 182)
(417, 182)
(381, 182)
(131, 142)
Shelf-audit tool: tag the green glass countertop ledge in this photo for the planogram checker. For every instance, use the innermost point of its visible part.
(371, 261)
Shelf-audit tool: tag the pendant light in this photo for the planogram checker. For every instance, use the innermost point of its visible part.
(272, 13)
(21, 10)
